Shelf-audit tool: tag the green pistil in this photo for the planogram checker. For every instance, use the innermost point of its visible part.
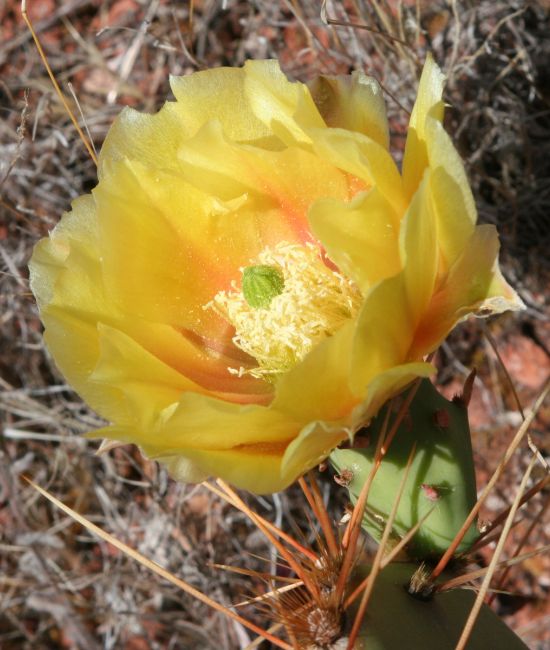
(260, 284)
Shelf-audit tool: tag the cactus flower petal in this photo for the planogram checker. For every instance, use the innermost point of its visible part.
(354, 103)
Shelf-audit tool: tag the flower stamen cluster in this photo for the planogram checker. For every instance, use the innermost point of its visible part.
(314, 303)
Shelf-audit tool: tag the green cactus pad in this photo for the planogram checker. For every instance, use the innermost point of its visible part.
(441, 476)
(397, 620)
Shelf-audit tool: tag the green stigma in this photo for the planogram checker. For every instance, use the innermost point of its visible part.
(260, 284)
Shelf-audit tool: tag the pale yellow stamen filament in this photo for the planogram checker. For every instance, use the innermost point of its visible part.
(315, 303)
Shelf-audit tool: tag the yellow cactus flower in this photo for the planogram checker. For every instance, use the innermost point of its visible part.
(253, 277)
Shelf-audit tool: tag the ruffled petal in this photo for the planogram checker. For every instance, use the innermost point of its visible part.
(73, 343)
(73, 242)
(202, 422)
(428, 104)
(310, 447)
(392, 310)
(285, 107)
(429, 96)
(255, 469)
(222, 94)
(67, 279)
(287, 181)
(388, 384)
(165, 253)
(360, 236)
(474, 286)
(419, 250)
(354, 102)
(383, 334)
(184, 469)
(154, 140)
(452, 198)
(200, 437)
(364, 159)
(205, 362)
(317, 388)
(146, 384)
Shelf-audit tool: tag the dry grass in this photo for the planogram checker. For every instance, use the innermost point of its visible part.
(59, 586)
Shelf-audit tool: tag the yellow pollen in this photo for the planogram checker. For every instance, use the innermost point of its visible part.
(314, 304)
